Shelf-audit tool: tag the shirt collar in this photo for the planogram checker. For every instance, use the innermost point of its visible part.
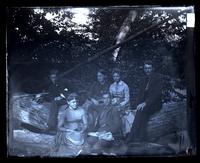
(120, 83)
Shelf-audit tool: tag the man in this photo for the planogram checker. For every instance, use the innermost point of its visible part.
(108, 128)
(148, 102)
(54, 97)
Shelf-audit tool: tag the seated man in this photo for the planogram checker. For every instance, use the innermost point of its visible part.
(148, 102)
(107, 129)
(55, 89)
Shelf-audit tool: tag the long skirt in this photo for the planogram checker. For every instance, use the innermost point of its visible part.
(65, 147)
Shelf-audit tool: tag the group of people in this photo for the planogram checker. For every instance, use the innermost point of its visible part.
(101, 124)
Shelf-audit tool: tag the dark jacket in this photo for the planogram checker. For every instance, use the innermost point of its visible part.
(109, 120)
(150, 92)
(54, 90)
(97, 90)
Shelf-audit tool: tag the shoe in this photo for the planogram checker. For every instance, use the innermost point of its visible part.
(128, 139)
(50, 132)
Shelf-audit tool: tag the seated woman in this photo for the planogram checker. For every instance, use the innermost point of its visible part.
(99, 87)
(71, 129)
(94, 102)
(119, 91)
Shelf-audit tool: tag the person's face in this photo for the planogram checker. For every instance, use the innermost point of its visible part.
(106, 99)
(116, 77)
(100, 77)
(73, 103)
(53, 78)
(148, 69)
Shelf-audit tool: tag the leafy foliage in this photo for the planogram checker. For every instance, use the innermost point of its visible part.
(38, 43)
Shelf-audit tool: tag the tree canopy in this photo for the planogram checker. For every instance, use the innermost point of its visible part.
(49, 37)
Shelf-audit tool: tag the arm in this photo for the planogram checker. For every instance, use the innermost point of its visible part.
(140, 95)
(84, 119)
(91, 90)
(127, 96)
(113, 100)
(156, 90)
(110, 91)
(91, 94)
(61, 123)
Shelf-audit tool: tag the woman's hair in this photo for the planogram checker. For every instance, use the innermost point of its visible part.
(53, 72)
(148, 62)
(116, 70)
(72, 96)
(102, 71)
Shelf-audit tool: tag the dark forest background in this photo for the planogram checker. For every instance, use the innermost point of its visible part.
(36, 45)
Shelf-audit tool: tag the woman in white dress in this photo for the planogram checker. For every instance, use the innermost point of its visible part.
(119, 91)
(71, 129)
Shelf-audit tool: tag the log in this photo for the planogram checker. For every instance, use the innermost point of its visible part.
(27, 136)
(169, 120)
(27, 143)
(27, 110)
(172, 118)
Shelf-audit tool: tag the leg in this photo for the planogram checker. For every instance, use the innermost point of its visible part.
(139, 126)
(142, 133)
(53, 116)
(101, 145)
(89, 143)
(135, 127)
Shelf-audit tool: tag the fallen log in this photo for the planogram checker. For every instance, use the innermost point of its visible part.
(27, 143)
(25, 109)
(172, 118)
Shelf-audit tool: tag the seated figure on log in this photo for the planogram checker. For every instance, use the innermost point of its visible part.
(119, 91)
(148, 102)
(94, 101)
(55, 89)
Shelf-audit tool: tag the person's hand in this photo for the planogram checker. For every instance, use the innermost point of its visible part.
(57, 98)
(114, 101)
(121, 104)
(82, 131)
(141, 106)
(38, 98)
(95, 102)
(127, 111)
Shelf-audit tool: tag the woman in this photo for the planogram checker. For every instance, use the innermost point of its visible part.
(71, 129)
(94, 102)
(99, 87)
(119, 91)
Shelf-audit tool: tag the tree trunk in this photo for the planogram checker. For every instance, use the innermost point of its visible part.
(125, 28)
